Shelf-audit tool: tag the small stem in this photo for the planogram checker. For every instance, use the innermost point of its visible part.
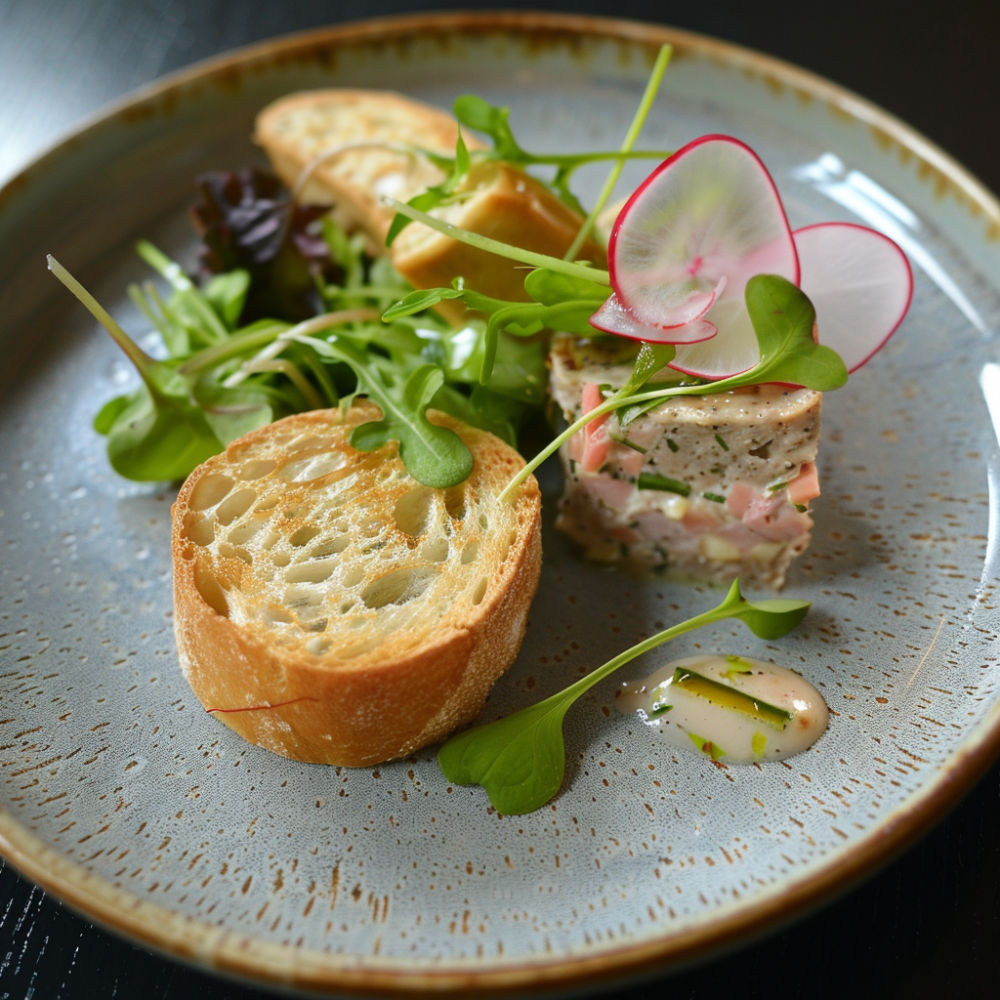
(133, 351)
(518, 254)
(719, 613)
(642, 112)
(233, 347)
(238, 343)
(304, 329)
(180, 282)
(609, 405)
(294, 375)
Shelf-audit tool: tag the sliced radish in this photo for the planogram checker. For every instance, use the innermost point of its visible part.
(733, 350)
(859, 282)
(613, 317)
(706, 220)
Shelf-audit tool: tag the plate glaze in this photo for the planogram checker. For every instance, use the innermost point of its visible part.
(126, 800)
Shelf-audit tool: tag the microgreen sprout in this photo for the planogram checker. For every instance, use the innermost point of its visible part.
(520, 760)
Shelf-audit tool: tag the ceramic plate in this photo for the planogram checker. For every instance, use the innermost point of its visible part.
(125, 799)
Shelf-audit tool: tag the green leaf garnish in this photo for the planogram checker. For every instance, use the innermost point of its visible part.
(783, 319)
(433, 455)
(156, 432)
(520, 760)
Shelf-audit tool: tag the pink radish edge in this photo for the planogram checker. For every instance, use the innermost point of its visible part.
(906, 270)
(620, 220)
(614, 318)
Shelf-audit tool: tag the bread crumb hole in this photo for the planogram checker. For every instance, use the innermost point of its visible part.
(277, 616)
(200, 530)
(411, 510)
(470, 553)
(235, 505)
(313, 571)
(454, 502)
(312, 467)
(211, 592)
(329, 547)
(397, 587)
(240, 534)
(280, 558)
(209, 491)
(303, 535)
(480, 592)
(229, 551)
(257, 469)
(318, 646)
(435, 550)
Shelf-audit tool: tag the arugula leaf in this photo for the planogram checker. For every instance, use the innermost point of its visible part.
(433, 455)
(520, 760)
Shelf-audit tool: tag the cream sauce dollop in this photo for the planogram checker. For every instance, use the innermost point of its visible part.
(732, 708)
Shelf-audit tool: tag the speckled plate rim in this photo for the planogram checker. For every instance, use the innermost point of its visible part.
(246, 957)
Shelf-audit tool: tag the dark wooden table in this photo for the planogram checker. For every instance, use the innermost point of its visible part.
(926, 925)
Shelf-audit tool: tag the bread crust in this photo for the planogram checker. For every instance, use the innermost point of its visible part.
(310, 694)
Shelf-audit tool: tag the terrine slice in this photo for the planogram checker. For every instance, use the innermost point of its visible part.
(702, 487)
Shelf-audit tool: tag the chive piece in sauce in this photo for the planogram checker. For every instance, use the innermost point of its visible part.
(728, 697)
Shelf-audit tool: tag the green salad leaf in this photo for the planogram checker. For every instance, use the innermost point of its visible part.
(433, 455)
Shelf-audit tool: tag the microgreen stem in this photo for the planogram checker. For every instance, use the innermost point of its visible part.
(612, 403)
(719, 613)
(172, 272)
(133, 352)
(306, 328)
(294, 375)
(514, 253)
(263, 336)
(236, 345)
(638, 120)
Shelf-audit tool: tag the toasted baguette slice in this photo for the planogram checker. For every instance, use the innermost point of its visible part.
(495, 200)
(330, 608)
(333, 147)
